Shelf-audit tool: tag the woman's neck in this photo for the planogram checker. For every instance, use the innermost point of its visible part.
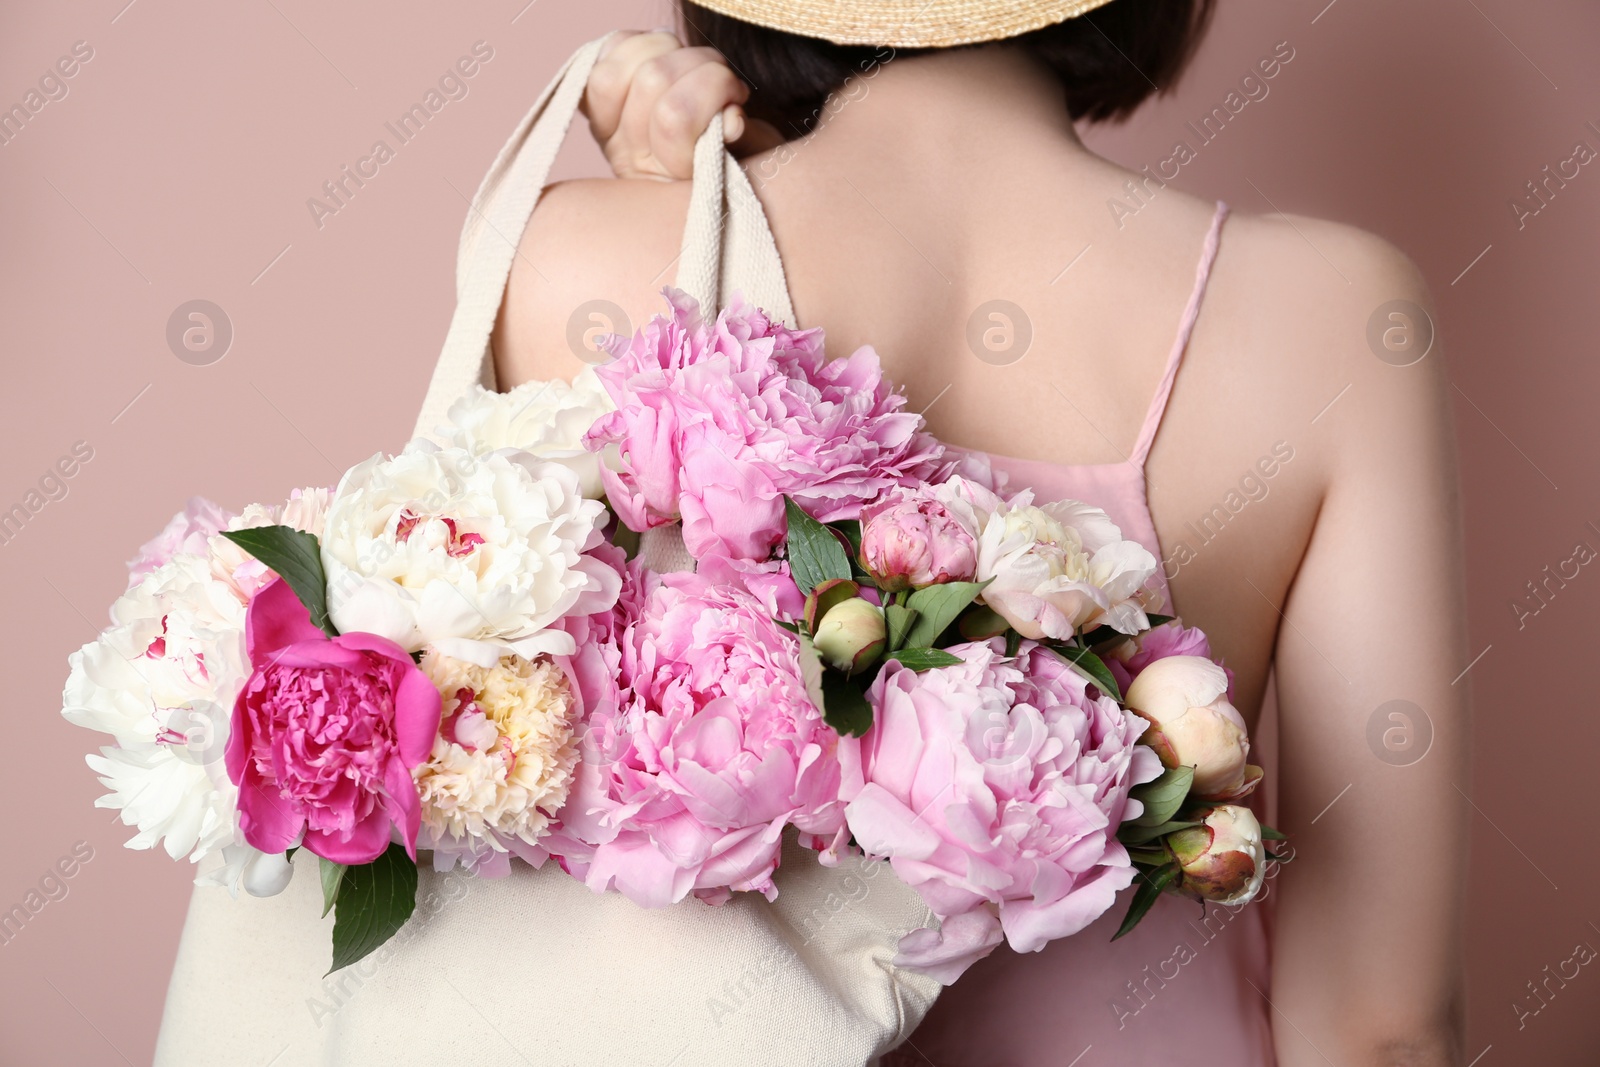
(947, 104)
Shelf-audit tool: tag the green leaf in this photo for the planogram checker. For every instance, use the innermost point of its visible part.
(1132, 833)
(937, 607)
(1151, 884)
(1159, 620)
(851, 530)
(332, 877)
(1149, 856)
(982, 622)
(297, 557)
(844, 705)
(1269, 834)
(921, 659)
(1163, 797)
(375, 900)
(815, 554)
(899, 620)
(1100, 635)
(1090, 666)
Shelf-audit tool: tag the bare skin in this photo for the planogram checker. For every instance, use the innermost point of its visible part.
(958, 179)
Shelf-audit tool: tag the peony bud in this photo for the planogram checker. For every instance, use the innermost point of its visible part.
(1185, 700)
(851, 635)
(910, 540)
(1223, 859)
(266, 874)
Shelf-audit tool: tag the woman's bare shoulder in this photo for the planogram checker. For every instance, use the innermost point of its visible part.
(594, 256)
(1322, 310)
(1315, 336)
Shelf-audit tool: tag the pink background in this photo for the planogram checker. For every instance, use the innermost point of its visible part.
(178, 167)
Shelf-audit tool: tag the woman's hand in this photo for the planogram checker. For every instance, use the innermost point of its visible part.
(650, 98)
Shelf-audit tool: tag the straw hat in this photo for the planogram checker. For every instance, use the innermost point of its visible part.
(904, 23)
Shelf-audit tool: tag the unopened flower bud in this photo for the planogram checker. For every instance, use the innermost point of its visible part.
(851, 635)
(1223, 859)
(1185, 700)
(266, 874)
(910, 539)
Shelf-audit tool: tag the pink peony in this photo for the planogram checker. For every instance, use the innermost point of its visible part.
(909, 539)
(187, 533)
(995, 788)
(325, 734)
(699, 754)
(717, 421)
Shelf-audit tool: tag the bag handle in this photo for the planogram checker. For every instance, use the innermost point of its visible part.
(727, 244)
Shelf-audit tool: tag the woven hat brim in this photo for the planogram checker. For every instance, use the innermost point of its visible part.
(904, 23)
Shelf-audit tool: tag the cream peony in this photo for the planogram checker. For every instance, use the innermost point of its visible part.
(547, 419)
(475, 556)
(1192, 724)
(160, 681)
(1223, 859)
(1053, 570)
(504, 758)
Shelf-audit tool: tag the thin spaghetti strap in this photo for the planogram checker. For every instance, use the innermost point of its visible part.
(1158, 404)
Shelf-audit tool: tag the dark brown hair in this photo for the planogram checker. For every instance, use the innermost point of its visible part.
(1109, 60)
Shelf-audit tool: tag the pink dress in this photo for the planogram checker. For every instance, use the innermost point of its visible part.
(1185, 979)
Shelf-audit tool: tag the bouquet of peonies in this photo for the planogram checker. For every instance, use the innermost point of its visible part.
(645, 623)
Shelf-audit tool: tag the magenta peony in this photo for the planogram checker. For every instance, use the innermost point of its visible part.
(909, 539)
(995, 789)
(717, 421)
(325, 735)
(186, 532)
(701, 751)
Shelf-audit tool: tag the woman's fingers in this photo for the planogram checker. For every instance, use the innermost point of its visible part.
(649, 99)
(613, 75)
(686, 108)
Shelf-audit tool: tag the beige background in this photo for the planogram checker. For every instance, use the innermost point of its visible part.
(178, 166)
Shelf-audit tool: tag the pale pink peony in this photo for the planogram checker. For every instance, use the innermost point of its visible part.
(995, 788)
(717, 421)
(1056, 569)
(325, 734)
(187, 533)
(909, 539)
(699, 754)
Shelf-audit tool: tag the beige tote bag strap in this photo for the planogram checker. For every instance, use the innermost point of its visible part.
(727, 245)
(494, 226)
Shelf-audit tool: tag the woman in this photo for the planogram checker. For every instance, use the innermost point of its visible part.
(1302, 490)
(1207, 379)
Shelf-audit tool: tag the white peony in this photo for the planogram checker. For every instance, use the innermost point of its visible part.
(162, 680)
(1052, 570)
(472, 555)
(547, 419)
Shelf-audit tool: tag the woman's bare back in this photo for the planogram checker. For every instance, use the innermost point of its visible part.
(1302, 487)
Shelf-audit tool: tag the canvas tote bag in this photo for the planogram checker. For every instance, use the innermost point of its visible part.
(535, 968)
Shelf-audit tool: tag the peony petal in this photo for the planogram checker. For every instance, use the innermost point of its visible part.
(945, 954)
(275, 619)
(883, 826)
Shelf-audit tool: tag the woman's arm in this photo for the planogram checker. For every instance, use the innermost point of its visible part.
(1367, 962)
